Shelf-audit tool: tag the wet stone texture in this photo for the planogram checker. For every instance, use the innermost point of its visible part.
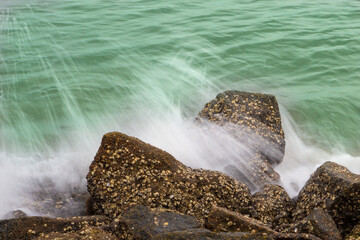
(203, 234)
(334, 189)
(273, 206)
(354, 234)
(253, 119)
(43, 227)
(85, 233)
(15, 214)
(127, 171)
(140, 222)
(318, 223)
(223, 220)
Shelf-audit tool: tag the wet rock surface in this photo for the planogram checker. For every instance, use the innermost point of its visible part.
(34, 227)
(295, 236)
(142, 192)
(318, 223)
(46, 200)
(354, 234)
(128, 171)
(15, 214)
(223, 220)
(251, 115)
(203, 234)
(253, 119)
(273, 206)
(83, 234)
(141, 222)
(334, 189)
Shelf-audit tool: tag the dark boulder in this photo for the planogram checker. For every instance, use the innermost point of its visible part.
(128, 171)
(295, 236)
(334, 189)
(273, 206)
(141, 222)
(85, 233)
(223, 220)
(33, 227)
(203, 234)
(318, 223)
(254, 120)
(254, 114)
(354, 234)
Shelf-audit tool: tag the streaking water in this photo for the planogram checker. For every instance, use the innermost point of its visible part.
(72, 70)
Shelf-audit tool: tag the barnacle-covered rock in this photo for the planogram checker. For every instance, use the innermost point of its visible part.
(334, 189)
(253, 115)
(40, 227)
(254, 120)
(354, 234)
(318, 223)
(273, 206)
(203, 234)
(128, 171)
(223, 220)
(85, 233)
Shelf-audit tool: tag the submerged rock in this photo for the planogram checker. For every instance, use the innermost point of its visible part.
(273, 206)
(254, 120)
(334, 189)
(128, 171)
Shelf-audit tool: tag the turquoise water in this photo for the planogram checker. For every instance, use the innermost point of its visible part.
(72, 70)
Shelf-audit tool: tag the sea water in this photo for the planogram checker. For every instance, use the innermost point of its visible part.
(71, 71)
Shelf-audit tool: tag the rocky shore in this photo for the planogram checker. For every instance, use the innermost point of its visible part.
(138, 191)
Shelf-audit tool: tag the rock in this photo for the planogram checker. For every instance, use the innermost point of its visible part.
(334, 189)
(256, 114)
(33, 227)
(83, 234)
(223, 220)
(273, 206)
(141, 222)
(295, 236)
(256, 173)
(203, 234)
(128, 171)
(253, 119)
(46, 199)
(318, 223)
(15, 214)
(354, 234)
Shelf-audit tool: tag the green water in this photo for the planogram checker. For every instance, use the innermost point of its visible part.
(65, 62)
(72, 70)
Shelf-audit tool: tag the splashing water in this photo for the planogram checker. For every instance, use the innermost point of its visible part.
(71, 71)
